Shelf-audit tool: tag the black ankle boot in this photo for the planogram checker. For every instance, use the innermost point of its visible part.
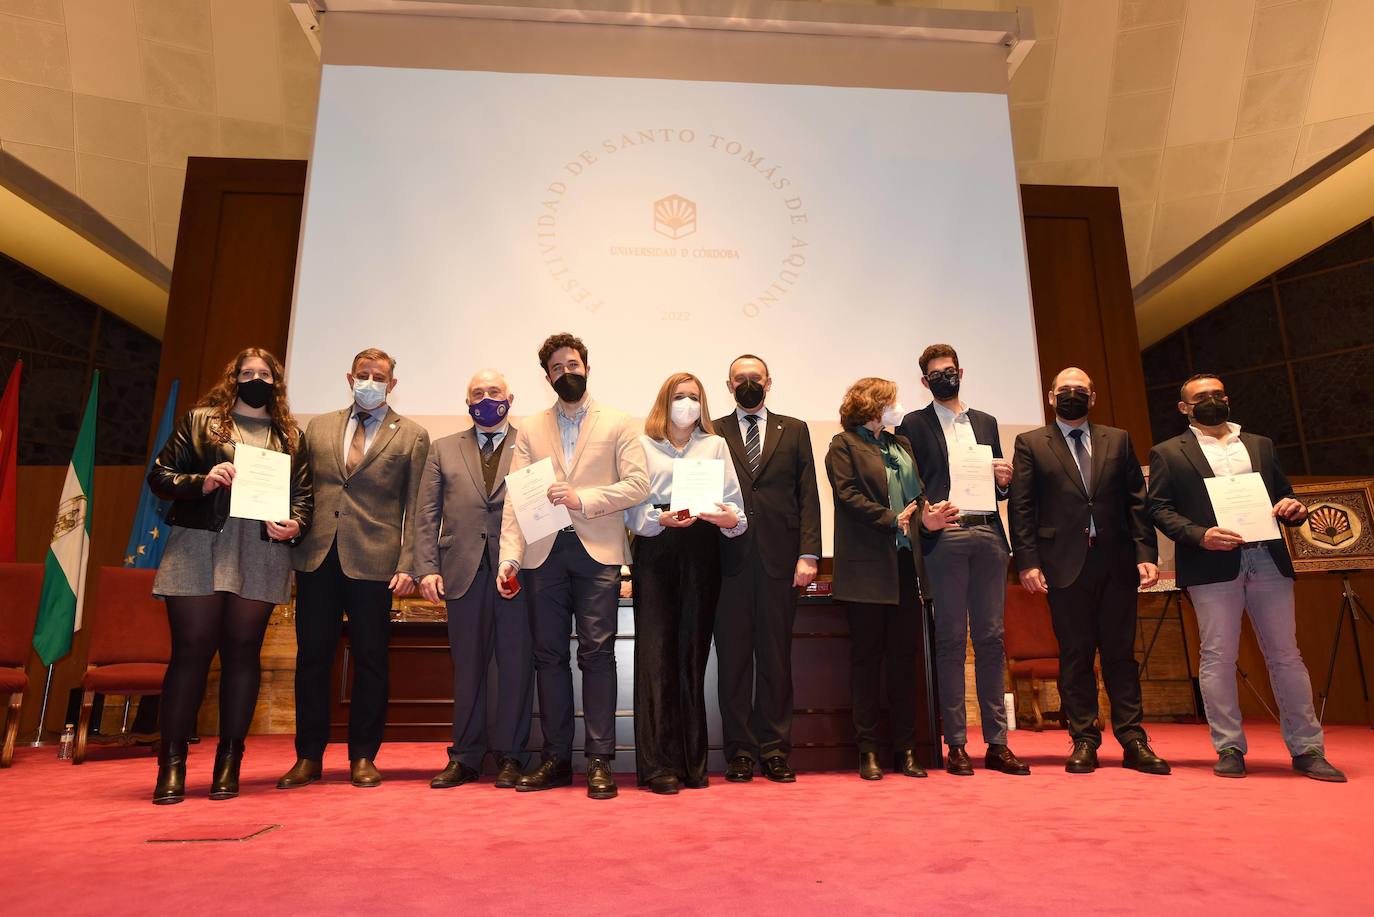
(171, 773)
(228, 757)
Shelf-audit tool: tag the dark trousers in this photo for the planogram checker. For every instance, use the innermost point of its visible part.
(754, 662)
(1097, 614)
(570, 588)
(483, 626)
(323, 597)
(967, 568)
(676, 587)
(886, 635)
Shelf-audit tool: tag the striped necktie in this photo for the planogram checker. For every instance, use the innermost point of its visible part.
(1085, 462)
(751, 444)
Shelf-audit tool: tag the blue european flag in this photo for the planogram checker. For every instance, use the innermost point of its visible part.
(149, 534)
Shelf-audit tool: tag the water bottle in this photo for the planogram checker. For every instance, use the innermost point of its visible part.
(64, 747)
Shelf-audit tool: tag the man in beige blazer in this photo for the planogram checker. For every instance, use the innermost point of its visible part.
(368, 462)
(574, 576)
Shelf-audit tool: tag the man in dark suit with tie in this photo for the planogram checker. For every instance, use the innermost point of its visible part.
(1080, 532)
(367, 462)
(1228, 578)
(762, 571)
(457, 547)
(966, 564)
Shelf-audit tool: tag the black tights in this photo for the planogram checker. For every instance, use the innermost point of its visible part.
(201, 626)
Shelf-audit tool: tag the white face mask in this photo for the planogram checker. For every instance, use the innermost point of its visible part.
(368, 393)
(893, 414)
(685, 412)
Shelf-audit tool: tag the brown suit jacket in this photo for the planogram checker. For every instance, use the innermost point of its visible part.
(371, 513)
(608, 470)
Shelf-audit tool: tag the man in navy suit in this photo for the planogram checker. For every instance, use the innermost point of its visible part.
(966, 564)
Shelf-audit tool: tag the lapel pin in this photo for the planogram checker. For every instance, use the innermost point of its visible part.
(392, 427)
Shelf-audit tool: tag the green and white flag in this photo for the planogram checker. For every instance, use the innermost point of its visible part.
(64, 574)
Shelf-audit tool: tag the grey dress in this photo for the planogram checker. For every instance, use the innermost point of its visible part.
(237, 560)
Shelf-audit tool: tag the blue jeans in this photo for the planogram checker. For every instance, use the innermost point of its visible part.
(1267, 596)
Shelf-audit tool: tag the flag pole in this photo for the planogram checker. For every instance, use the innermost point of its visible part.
(42, 712)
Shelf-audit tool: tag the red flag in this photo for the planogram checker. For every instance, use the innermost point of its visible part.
(9, 467)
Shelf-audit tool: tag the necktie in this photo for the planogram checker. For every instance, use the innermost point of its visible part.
(1085, 463)
(358, 444)
(487, 447)
(751, 443)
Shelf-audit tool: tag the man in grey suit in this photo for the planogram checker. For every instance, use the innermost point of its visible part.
(367, 462)
(457, 546)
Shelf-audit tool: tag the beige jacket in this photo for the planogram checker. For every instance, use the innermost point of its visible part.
(608, 471)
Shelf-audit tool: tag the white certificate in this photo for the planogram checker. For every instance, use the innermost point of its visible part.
(698, 485)
(262, 484)
(972, 487)
(528, 489)
(1241, 503)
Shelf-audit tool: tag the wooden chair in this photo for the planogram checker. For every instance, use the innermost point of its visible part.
(22, 586)
(130, 646)
(1032, 650)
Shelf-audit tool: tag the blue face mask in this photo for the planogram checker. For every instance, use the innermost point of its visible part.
(488, 412)
(368, 393)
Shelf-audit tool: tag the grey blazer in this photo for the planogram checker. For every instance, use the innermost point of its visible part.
(456, 519)
(371, 512)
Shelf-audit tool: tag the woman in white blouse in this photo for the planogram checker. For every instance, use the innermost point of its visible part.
(676, 576)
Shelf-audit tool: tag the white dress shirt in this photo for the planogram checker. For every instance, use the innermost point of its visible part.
(496, 440)
(1227, 455)
(957, 427)
(643, 519)
(762, 414)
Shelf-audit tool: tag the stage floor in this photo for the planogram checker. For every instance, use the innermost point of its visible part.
(76, 839)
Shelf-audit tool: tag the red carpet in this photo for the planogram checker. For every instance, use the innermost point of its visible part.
(76, 840)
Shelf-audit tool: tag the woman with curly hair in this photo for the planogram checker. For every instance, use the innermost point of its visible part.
(221, 576)
(880, 508)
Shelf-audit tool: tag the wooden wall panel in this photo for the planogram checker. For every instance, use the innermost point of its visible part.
(1081, 290)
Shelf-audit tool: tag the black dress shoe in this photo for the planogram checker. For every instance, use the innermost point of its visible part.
(740, 770)
(868, 766)
(1084, 758)
(171, 773)
(454, 774)
(1312, 763)
(1139, 756)
(1230, 763)
(601, 779)
(508, 774)
(775, 769)
(551, 773)
(1000, 758)
(303, 773)
(957, 762)
(364, 773)
(228, 757)
(907, 764)
(663, 785)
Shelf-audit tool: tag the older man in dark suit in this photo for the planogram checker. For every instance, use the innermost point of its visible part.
(1081, 533)
(457, 547)
(367, 462)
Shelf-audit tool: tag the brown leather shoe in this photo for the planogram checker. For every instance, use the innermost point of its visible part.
(303, 773)
(1000, 758)
(364, 773)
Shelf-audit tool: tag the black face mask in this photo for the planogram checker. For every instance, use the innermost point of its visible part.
(749, 394)
(570, 387)
(255, 392)
(1071, 405)
(1211, 412)
(943, 387)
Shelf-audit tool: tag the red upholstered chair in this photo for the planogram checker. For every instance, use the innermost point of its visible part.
(131, 642)
(1032, 650)
(21, 585)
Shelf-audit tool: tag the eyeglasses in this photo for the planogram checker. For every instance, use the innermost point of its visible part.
(951, 374)
(1205, 396)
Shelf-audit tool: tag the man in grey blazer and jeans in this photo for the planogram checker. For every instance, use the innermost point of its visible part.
(367, 462)
(457, 547)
